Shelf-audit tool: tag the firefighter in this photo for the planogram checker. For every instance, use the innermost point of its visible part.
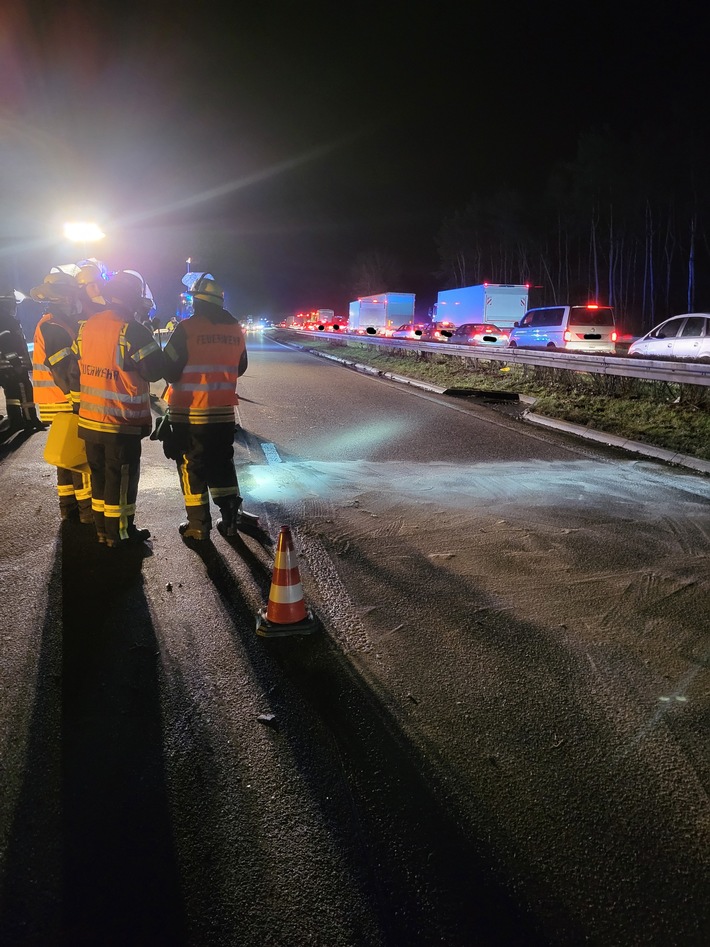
(52, 362)
(117, 359)
(15, 366)
(204, 357)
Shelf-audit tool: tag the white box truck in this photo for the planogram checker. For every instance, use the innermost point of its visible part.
(375, 314)
(500, 304)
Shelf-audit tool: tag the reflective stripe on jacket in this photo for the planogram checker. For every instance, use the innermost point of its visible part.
(49, 397)
(207, 390)
(113, 398)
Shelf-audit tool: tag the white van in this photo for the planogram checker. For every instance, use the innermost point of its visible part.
(574, 328)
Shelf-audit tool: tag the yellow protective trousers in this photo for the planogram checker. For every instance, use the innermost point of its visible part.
(74, 490)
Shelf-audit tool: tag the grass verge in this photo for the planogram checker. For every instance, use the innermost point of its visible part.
(674, 417)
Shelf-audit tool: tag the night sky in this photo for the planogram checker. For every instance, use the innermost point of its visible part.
(274, 143)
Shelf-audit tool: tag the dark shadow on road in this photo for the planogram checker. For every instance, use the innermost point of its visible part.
(30, 899)
(104, 808)
(121, 883)
(430, 879)
(10, 442)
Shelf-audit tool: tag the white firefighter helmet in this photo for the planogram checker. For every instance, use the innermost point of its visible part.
(146, 288)
(127, 287)
(7, 292)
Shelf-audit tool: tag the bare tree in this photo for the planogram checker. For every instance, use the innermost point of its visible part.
(691, 262)
(375, 271)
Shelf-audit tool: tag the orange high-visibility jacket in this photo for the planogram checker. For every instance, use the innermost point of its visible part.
(114, 399)
(207, 390)
(49, 397)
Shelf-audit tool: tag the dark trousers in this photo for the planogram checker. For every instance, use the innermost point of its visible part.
(74, 489)
(19, 399)
(115, 464)
(206, 466)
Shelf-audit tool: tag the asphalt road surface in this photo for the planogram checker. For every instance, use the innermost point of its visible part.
(497, 735)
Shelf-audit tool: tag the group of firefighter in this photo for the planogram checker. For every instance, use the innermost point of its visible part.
(94, 357)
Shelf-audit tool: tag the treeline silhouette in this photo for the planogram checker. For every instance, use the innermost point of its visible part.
(623, 224)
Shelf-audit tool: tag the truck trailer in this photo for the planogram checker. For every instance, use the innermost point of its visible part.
(500, 304)
(325, 320)
(316, 317)
(374, 315)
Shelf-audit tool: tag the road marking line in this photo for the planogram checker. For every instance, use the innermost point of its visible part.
(271, 454)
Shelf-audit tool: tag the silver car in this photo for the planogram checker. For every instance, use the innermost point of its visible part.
(686, 336)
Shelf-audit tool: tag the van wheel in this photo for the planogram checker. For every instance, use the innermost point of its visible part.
(551, 345)
(512, 345)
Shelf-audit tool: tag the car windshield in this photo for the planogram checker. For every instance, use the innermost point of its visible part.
(582, 316)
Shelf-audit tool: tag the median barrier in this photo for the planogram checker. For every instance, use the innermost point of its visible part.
(675, 372)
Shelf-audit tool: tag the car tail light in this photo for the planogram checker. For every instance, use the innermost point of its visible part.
(568, 335)
(614, 336)
(592, 306)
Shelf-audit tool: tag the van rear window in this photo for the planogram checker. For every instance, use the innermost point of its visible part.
(581, 316)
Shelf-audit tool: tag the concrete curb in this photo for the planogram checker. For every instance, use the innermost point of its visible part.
(579, 430)
(612, 440)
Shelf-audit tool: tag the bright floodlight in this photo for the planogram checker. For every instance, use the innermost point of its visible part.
(82, 232)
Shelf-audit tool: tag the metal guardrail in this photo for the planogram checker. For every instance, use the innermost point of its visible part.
(677, 372)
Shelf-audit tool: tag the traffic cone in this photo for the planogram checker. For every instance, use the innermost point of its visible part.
(286, 612)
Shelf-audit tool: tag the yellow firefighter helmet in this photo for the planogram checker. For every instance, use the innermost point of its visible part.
(90, 278)
(58, 287)
(207, 289)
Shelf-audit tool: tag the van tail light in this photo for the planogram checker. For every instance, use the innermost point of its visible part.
(568, 335)
(614, 336)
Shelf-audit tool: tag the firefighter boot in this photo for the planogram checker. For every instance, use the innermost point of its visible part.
(69, 511)
(231, 510)
(33, 423)
(134, 537)
(189, 531)
(68, 507)
(199, 522)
